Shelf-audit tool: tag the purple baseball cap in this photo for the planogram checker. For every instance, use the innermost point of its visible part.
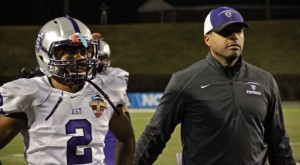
(221, 17)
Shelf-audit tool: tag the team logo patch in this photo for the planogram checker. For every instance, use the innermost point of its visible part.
(98, 105)
(253, 89)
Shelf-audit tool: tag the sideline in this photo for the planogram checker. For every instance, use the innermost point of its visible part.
(144, 110)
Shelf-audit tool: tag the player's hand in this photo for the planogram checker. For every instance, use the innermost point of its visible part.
(97, 36)
(24, 73)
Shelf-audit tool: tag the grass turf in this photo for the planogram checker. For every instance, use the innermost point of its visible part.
(13, 152)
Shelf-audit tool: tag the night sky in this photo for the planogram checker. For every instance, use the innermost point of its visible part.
(38, 12)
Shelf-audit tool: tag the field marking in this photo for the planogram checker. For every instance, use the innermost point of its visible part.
(16, 156)
(144, 110)
(295, 143)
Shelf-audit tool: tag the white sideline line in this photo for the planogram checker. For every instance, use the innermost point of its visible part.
(18, 155)
(295, 143)
(132, 110)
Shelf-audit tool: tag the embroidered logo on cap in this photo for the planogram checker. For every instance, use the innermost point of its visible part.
(228, 13)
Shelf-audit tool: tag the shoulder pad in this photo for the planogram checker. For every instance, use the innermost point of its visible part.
(117, 72)
(116, 84)
(23, 93)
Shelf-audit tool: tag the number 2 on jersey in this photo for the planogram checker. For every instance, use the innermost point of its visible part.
(75, 141)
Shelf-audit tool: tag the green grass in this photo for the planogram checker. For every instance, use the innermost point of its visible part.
(139, 122)
(12, 153)
(291, 112)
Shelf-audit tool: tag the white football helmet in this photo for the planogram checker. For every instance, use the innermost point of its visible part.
(103, 56)
(66, 34)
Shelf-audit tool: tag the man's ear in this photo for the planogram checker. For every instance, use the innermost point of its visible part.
(207, 40)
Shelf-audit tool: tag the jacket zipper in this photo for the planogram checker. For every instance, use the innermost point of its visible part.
(230, 77)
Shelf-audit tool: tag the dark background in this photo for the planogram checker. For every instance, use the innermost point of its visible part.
(38, 12)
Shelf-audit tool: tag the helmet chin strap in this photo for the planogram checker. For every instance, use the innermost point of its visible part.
(92, 83)
(56, 105)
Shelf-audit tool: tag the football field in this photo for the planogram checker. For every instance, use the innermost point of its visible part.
(12, 154)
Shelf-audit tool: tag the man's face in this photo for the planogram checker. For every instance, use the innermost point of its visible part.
(74, 58)
(227, 45)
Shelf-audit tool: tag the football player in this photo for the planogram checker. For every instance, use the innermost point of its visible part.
(108, 76)
(64, 115)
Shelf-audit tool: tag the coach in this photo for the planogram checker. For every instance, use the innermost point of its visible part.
(230, 111)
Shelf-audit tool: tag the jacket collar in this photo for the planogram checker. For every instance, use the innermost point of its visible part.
(225, 69)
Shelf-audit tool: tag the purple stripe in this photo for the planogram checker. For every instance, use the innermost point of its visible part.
(75, 25)
(1, 104)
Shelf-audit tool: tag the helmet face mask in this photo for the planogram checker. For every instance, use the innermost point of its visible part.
(66, 51)
(103, 62)
(74, 63)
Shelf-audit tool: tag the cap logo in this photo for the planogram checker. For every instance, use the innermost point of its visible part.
(228, 13)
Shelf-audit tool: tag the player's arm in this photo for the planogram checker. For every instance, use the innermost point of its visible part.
(10, 126)
(121, 127)
(126, 112)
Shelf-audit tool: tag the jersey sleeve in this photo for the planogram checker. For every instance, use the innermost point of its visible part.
(123, 77)
(115, 88)
(118, 72)
(18, 96)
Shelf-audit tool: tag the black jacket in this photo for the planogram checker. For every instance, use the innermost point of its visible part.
(228, 116)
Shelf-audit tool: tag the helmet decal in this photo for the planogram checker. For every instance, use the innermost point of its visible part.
(77, 37)
(77, 30)
(83, 41)
(39, 41)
